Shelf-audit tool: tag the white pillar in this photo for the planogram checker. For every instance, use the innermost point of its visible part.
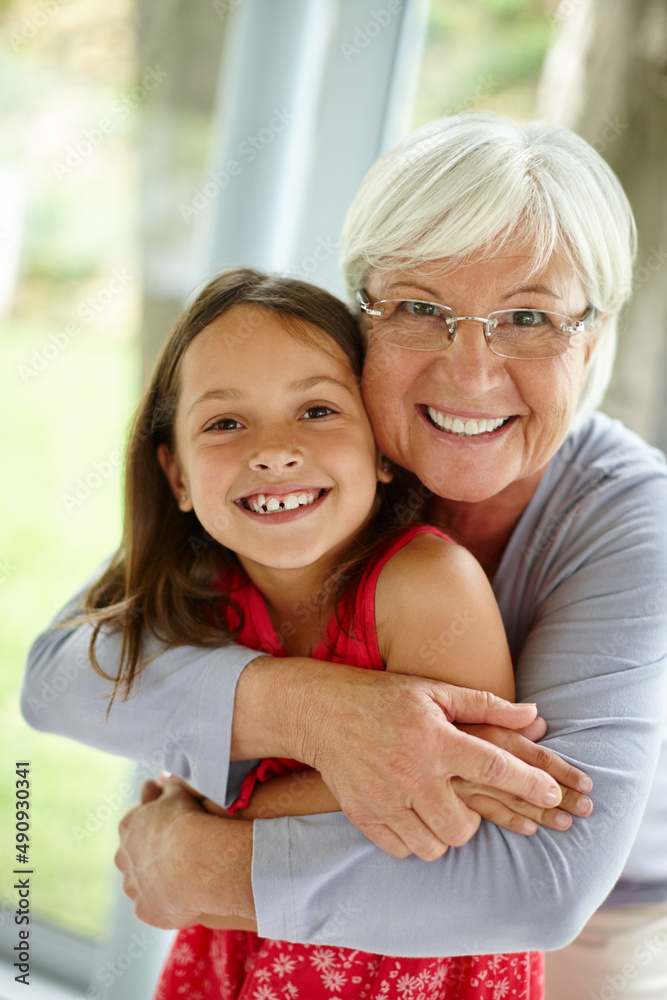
(311, 92)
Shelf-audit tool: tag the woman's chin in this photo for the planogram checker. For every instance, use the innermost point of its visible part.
(452, 487)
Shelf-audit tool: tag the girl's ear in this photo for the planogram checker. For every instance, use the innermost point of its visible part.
(172, 470)
(385, 470)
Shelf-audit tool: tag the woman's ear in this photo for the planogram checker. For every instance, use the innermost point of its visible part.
(384, 469)
(594, 336)
(172, 470)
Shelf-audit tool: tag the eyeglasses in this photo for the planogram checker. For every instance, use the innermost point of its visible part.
(510, 333)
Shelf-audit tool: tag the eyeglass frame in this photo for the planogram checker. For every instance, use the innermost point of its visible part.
(580, 326)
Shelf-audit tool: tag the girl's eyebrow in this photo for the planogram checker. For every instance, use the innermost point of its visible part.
(301, 385)
(222, 395)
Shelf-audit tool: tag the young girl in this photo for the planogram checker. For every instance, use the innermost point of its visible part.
(258, 510)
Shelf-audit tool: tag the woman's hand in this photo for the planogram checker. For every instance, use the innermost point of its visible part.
(178, 862)
(387, 747)
(512, 812)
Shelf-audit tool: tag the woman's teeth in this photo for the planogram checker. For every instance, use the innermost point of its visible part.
(262, 504)
(468, 429)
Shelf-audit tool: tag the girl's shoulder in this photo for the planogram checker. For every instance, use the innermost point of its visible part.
(418, 538)
(423, 576)
(432, 594)
(419, 560)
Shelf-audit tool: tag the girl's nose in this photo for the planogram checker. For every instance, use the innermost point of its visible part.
(276, 456)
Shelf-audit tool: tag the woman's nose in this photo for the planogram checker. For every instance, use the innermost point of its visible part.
(469, 364)
(275, 456)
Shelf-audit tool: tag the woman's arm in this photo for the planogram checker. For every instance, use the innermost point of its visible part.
(179, 718)
(594, 660)
(194, 708)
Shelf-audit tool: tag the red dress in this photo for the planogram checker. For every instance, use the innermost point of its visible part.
(204, 964)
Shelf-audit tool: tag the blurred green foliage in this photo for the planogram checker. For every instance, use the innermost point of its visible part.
(64, 420)
(67, 399)
(482, 54)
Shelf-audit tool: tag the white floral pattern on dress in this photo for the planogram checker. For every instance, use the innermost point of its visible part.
(228, 965)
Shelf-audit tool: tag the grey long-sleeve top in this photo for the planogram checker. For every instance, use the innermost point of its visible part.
(582, 588)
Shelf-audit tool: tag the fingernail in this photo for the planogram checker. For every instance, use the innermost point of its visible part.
(529, 826)
(563, 821)
(585, 783)
(552, 797)
(583, 805)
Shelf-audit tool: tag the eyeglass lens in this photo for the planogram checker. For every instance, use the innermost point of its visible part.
(514, 333)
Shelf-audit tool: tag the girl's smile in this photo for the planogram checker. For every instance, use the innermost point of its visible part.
(285, 499)
(274, 451)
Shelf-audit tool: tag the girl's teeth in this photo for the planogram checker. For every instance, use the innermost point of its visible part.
(471, 427)
(260, 505)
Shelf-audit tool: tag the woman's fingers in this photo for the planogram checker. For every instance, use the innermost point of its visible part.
(420, 828)
(486, 763)
(386, 839)
(472, 706)
(531, 753)
(387, 747)
(452, 823)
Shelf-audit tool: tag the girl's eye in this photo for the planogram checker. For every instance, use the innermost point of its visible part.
(317, 412)
(225, 424)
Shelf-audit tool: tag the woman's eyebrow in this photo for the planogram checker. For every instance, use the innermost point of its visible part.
(436, 296)
(541, 289)
(403, 283)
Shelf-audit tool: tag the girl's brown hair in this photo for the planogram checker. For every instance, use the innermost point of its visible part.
(161, 578)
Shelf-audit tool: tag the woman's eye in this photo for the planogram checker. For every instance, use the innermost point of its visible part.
(317, 412)
(418, 309)
(528, 317)
(224, 424)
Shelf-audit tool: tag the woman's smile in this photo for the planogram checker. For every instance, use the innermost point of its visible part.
(463, 425)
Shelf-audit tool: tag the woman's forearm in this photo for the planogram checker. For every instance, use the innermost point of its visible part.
(180, 722)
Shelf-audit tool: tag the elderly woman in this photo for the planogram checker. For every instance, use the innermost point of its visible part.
(489, 264)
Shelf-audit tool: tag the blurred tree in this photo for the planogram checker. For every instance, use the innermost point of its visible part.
(605, 76)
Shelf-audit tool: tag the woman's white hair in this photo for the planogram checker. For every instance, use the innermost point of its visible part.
(461, 188)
